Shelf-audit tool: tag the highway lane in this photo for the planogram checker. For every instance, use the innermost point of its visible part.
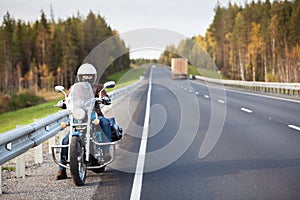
(257, 155)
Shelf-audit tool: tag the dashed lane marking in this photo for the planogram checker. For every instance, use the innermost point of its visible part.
(294, 127)
(221, 101)
(246, 110)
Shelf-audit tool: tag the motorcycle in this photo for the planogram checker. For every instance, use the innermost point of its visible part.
(86, 138)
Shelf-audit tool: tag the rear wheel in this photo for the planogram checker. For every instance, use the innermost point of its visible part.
(77, 163)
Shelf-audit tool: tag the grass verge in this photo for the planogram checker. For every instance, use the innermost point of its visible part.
(25, 116)
(126, 77)
(193, 70)
(210, 74)
(203, 72)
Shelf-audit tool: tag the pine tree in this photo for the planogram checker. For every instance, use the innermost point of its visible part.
(8, 30)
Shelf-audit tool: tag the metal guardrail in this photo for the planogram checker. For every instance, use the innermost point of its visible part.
(274, 87)
(17, 141)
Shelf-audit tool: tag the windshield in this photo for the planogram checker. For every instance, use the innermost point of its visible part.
(81, 99)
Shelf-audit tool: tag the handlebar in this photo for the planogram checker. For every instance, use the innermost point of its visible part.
(103, 100)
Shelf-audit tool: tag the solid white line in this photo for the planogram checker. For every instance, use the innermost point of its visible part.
(221, 101)
(246, 110)
(294, 127)
(138, 177)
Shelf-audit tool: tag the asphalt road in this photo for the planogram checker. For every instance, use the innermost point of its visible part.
(256, 153)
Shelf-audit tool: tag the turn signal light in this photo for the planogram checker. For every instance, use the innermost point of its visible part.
(63, 124)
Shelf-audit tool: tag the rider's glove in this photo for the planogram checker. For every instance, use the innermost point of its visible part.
(106, 100)
(61, 104)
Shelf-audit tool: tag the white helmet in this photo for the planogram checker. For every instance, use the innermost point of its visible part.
(87, 73)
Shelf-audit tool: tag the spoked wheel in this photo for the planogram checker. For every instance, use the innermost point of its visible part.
(77, 164)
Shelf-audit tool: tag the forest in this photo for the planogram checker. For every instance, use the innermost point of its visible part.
(259, 41)
(37, 55)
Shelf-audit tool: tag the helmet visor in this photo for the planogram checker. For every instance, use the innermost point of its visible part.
(87, 78)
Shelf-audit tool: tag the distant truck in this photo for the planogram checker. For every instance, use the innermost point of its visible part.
(179, 68)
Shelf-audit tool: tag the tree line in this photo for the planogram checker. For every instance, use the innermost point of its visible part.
(259, 41)
(39, 55)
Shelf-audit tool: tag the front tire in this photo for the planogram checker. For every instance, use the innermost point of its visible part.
(77, 163)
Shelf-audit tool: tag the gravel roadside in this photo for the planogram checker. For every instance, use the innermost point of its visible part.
(39, 183)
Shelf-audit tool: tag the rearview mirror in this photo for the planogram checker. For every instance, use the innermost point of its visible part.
(109, 84)
(59, 88)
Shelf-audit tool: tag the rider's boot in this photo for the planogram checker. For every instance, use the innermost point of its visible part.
(61, 174)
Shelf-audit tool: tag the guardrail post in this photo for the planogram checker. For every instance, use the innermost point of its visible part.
(38, 154)
(20, 163)
(51, 142)
(20, 166)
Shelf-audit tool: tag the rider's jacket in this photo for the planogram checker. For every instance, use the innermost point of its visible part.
(96, 89)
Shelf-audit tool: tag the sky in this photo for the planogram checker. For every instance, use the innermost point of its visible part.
(186, 17)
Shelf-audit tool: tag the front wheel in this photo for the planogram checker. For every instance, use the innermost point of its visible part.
(77, 164)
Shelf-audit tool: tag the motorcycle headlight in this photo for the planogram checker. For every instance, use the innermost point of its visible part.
(78, 113)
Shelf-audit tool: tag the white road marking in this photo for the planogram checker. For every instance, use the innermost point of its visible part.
(246, 110)
(138, 177)
(197, 93)
(294, 127)
(221, 101)
(206, 96)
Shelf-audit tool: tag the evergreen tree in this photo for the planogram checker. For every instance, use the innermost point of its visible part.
(39, 55)
(258, 42)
